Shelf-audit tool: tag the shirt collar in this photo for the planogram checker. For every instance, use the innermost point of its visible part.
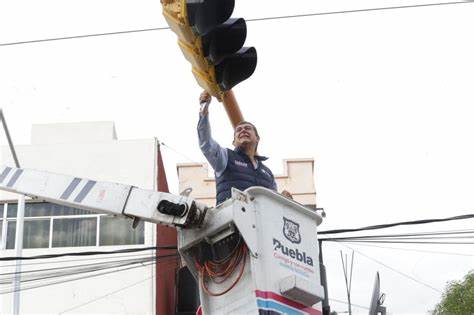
(257, 157)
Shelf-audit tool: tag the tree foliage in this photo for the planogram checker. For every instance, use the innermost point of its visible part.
(458, 298)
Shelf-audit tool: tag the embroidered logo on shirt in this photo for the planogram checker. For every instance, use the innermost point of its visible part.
(240, 163)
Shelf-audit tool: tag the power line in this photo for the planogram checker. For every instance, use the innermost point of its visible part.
(384, 226)
(120, 251)
(105, 295)
(80, 271)
(394, 270)
(249, 20)
(407, 242)
(74, 279)
(407, 235)
(340, 301)
(69, 280)
(360, 10)
(76, 260)
(83, 36)
(80, 265)
(77, 271)
(65, 273)
(410, 249)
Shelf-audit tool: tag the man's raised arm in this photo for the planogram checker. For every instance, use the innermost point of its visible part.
(214, 153)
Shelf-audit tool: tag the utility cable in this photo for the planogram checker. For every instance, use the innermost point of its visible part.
(384, 226)
(26, 272)
(394, 270)
(419, 238)
(88, 270)
(105, 295)
(410, 249)
(184, 155)
(359, 10)
(409, 242)
(78, 260)
(352, 304)
(69, 280)
(89, 253)
(249, 20)
(74, 279)
(404, 235)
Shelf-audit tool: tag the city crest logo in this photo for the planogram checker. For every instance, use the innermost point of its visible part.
(291, 230)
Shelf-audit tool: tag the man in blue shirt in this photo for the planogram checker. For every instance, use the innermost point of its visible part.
(241, 167)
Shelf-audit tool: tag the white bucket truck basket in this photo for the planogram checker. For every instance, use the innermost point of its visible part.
(256, 253)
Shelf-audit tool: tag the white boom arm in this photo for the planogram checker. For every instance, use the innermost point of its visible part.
(104, 197)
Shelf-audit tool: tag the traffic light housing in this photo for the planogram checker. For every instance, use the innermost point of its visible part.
(212, 42)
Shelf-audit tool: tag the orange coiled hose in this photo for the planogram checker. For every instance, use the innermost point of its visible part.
(218, 272)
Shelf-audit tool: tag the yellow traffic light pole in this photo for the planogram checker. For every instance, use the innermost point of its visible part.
(232, 108)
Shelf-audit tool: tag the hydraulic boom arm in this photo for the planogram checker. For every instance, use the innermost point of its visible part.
(104, 197)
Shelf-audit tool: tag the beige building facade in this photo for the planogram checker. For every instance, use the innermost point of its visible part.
(297, 178)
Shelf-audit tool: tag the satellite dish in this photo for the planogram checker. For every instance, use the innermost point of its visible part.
(374, 301)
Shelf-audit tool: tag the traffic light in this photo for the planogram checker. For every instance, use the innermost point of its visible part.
(212, 42)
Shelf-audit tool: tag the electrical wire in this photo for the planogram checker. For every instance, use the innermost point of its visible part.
(410, 249)
(105, 295)
(68, 280)
(352, 304)
(408, 242)
(83, 36)
(67, 273)
(89, 253)
(249, 20)
(384, 226)
(420, 238)
(50, 275)
(74, 279)
(404, 235)
(393, 269)
(26, 272)
(76, 260)
(204, 165)
(360, 10)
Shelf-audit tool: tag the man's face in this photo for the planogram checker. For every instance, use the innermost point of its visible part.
(245, 135)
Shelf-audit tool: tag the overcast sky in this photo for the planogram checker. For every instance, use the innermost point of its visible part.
(382, 100)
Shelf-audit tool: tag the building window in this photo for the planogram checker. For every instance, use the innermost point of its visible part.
(73, 232)
(35, 234)
(48, 225)
(44, 209)
(118, 231)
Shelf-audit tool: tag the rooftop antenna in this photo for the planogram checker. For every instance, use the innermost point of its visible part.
(377, 299)
(348, 278)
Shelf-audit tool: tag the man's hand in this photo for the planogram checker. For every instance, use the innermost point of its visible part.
(204, 100)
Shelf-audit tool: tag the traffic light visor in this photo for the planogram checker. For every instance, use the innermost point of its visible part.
(204, 15)
(224, 40)
(236, 68)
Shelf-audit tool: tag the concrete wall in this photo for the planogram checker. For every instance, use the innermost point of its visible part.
(88, 150)
(297, 178)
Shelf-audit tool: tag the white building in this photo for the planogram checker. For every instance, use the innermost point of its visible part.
(89, 150)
